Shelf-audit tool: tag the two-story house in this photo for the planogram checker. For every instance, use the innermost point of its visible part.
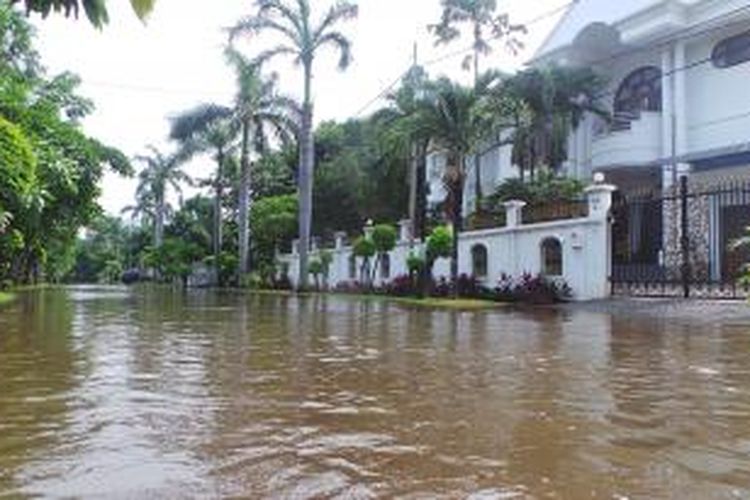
(678, 88)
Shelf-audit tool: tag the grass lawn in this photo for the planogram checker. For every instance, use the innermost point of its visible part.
(428, 302)
(6, 298)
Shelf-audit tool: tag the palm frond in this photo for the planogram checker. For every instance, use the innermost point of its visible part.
(341, 43)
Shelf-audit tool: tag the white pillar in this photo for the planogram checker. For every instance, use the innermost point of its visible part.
(405, 231)
(667, 116)
(295, 247)
(340, 238)
(599, 197)
(680, 104)
(514, 213)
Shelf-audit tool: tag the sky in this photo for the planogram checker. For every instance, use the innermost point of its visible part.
(141, 74)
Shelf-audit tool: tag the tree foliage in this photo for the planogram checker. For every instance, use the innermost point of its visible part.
(50, 169)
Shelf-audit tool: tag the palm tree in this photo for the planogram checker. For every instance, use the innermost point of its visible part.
(403, 135)
(161, 172)
(485, 27)
(258, 108)
(209, 128)
(452, 116)
(549, 104)
(302, 39)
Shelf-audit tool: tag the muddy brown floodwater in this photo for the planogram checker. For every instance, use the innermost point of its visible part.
(110, 392)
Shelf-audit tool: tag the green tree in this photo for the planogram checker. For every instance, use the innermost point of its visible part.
(384, 237)
(486, 26)
(364, 248)
(548, 104)
(451, 115)
(257, 108)
(401, 135)
(209, 128)
(303, 38)
(62, 194)
(273, 222)
(161, 172)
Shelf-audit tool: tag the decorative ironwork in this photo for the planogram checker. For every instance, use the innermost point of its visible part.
(680, 242)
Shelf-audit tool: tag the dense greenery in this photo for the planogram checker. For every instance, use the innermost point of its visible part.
(49, 169)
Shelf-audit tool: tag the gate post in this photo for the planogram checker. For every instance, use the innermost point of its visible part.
(684, 237)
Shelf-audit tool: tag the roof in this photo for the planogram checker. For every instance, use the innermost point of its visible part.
(585, 12)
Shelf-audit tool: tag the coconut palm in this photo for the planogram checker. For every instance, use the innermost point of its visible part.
(486, 26)
(452, 116)
(258, 109)
(303, 37)
(549, 104)
(161, 172)
(210, 128)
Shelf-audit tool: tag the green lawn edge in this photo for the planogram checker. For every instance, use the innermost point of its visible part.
(6, 298)
(428, 302)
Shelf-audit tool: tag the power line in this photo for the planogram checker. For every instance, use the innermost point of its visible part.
(450, 55)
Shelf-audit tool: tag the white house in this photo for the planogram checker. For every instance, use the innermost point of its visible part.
(677, 74)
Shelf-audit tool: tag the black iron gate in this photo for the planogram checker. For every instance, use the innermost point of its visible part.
(681, 242)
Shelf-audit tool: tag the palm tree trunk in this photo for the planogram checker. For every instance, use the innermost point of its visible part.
(457, 220)
(413, 191)
(306, 179)
(244, 204)
(218, 232)
(421, 217)
(477, 156)
(159, 222)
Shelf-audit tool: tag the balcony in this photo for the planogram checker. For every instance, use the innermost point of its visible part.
(628, 141)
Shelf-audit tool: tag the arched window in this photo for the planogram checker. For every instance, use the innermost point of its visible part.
(552, 257)
(352, 267)
(479, 261)
(732, 51)
(385, 266)
(640, 91)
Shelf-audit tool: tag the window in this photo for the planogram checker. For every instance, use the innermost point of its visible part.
(479, 261)
(552, 258)
(732, 51)
(353, 267)
(385, 266)
(640, 91)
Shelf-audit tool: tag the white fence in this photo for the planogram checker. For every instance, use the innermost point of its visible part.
(574, 250)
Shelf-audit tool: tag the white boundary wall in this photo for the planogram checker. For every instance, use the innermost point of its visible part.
(512, 250)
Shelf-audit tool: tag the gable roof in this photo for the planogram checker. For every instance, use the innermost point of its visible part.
(585, 12)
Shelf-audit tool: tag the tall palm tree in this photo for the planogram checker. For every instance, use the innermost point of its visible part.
(210, 128)
(303, 38)
(549, 104)
(486, 26)
(452, 116)
(161, 172)
(403, 135)
(258, 109)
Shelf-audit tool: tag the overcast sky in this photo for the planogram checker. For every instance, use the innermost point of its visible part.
(141, 74)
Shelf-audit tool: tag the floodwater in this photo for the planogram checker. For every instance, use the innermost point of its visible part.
(117, 393)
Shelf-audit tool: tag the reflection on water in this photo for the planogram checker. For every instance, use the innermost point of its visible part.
(107, 391)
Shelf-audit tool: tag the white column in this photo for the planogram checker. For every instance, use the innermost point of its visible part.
(667, 116)
(680, 103)
(513, 213)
